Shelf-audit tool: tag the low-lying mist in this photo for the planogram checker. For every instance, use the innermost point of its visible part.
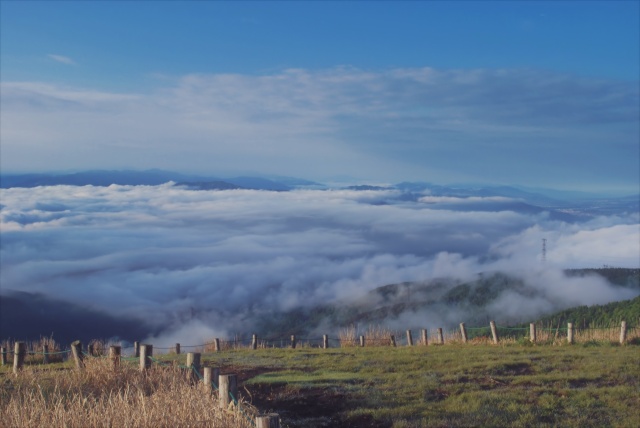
(200, 264)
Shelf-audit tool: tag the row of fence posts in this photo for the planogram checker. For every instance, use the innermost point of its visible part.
(20, 350)
(228, 383)
(439, 336)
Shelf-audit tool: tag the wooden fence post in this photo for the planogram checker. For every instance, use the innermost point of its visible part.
(494, 332)
(409, 338)
(228, 389)
(177, 349)
(440, 336)
(570, 333)
(393, 340)
(272, 420)
(532, 332)
(623, 332)
(463, 331)
(325, 341)
(293, 341)
(76, 350)
(90, 350)
(45, 354)
(362, 341)
(423, 333)
(210, 378)
(254, 341)
(146, 352)
(136, 349)
(19, 352)
(216, 344)
(193, 362)
(3, 355)
(114, 355)
(207, 372)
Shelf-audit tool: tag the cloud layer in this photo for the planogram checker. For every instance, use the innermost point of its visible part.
(498, 125)
(216, 259)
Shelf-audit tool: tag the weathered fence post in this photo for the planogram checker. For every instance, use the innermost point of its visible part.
(76, 351)
(325, 341)
(570, 332)
(45, 354)
(423, 333)
(136, 349)
(254, 341)
(228, 389)
(19, 352)
(114, 355)
(210, 378)
(623, 332)
(3, 355)
(463, 331)
(293, 341)
(362, 341)
(90, 350)
(272, 420)
(532, 332)
(440, 336)
(146, 352)
(206, 379)
(193, 363)
(177, 349)
(216, 344)
(393, 340)
(409, 338)
(494, 332)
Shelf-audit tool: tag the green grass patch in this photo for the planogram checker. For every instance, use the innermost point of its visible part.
(455, 385)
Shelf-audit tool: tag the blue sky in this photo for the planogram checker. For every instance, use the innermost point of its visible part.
(531, 93)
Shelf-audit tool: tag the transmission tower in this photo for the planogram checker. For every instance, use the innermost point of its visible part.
(544, 250)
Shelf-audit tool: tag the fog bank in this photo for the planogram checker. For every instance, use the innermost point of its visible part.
(202, 264)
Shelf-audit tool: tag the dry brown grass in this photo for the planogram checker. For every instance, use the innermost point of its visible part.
(348, 337)
(375, 335)
(34, 350)
(558, 335)
(100, 396)
(605, 334)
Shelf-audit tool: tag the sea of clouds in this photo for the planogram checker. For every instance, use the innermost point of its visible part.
(204, 264)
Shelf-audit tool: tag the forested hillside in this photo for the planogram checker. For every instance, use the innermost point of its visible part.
(599, 315)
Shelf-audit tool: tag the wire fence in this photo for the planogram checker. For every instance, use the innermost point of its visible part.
(37, 353)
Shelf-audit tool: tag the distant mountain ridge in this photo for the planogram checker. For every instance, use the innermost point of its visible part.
(462, 197)
(152, 177)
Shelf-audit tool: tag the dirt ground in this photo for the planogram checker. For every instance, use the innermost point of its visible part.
(299, 407)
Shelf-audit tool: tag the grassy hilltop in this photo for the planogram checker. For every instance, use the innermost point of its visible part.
(592, 383)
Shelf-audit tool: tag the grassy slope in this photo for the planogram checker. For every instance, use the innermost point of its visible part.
(455, 385)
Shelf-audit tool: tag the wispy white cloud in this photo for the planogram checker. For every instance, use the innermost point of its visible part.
(62, 59)
(39, 92)
(401, 123)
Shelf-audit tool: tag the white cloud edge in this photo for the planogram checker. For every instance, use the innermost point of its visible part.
(62, 59)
